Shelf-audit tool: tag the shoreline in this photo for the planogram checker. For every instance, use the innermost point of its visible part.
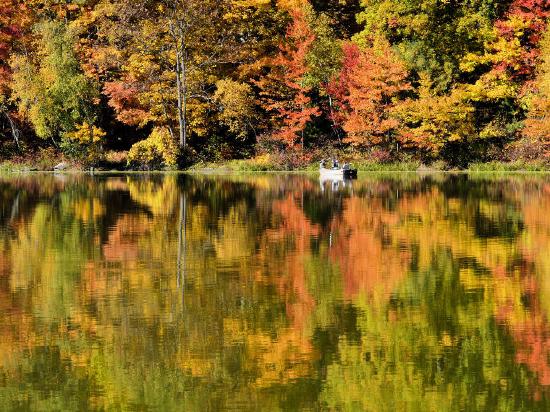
(264, 164)
(222, 169)
(117, 162)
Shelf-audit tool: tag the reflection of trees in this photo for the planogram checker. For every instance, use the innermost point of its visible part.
(411, 293)
(447, 327)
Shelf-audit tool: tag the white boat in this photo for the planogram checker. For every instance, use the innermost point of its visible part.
(345, 171)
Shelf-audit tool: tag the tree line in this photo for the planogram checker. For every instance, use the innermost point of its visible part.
(179, 81)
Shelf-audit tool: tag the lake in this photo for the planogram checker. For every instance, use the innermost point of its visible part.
(275, 292)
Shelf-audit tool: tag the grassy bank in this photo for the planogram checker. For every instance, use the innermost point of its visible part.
(250, 166)
(253, 165)
(266, 164)
(115, 161)
(517, 166)
(47, 159)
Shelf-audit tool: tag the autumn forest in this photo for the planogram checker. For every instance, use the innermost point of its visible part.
(170, 83)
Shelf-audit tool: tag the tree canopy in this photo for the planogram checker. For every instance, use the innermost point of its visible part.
(406, 78)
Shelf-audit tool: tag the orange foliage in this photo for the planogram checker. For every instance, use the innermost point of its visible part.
(292, 283)
(123, 99)
(369, 265)
(286, 89)
(121, 244)
(376, 80)
(537, 125)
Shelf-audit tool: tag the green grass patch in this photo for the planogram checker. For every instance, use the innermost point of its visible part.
(256, 164)
(517, 166)
(387, 167)
(9, 166)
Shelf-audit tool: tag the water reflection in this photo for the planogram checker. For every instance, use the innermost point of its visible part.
(274, 292)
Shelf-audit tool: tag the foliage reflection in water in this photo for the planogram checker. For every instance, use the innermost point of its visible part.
(274, 292)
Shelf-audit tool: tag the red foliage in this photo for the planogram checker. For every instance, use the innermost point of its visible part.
(123, 99)
(10, 31)
(293, 106)
(338, 87)
(533, 15)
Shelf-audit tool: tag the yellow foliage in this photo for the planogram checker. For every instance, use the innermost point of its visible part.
(499, 49)
(492, 86)
(89, 210)
(86, 133)
(436, 120)
(236, 11)
(236, 103)
(251, 3)
(158, 149)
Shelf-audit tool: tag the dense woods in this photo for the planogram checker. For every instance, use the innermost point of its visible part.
(175, 82)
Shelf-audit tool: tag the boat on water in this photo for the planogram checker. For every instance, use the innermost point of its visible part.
(337, 171)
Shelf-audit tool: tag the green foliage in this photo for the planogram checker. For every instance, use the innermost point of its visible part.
(158, 150)
(325, 55)
(432, 37)
(262, 163)
(39, 159)
(49, 87)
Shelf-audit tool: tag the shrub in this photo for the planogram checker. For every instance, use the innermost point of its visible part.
(529, 150)
(116, 157)
(381, 156)
(157, 151)
(46, 159)
(84, 144)
(261, 163)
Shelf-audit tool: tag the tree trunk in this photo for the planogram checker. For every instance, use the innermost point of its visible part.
(181, 116)
(171, 131)
(14, 129)
(334, 125)
(302, 136)
(15, 207)
(179, 241)
(183, 65)
(91, 132)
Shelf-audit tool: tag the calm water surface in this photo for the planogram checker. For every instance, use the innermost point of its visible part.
(275, 292)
